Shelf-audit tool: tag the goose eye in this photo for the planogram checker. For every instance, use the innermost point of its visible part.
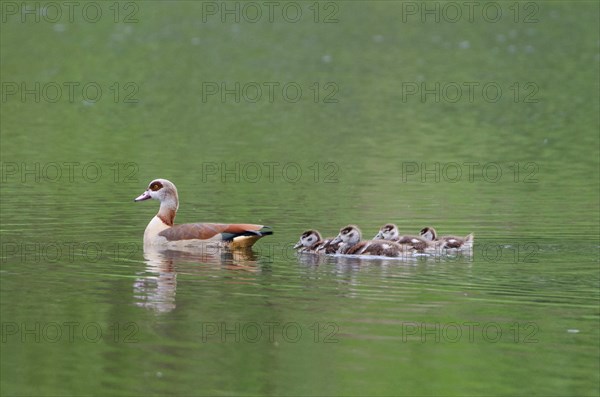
(156, 186)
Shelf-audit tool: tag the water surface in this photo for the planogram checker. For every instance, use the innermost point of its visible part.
(85, 311)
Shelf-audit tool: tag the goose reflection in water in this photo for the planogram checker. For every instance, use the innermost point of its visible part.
(155, 288)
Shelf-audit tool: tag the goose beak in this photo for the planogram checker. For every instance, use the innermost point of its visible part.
(143, 196)
(378, 236)
(336, 240)
(298, 245)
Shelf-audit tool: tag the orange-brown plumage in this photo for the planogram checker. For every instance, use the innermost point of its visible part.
(162, 229)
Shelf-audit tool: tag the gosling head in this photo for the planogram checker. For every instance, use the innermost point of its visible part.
(428, 233)
(387, 232)
(308, 238)
(348, 235)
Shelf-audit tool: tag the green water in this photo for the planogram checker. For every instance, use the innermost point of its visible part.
(370, 140)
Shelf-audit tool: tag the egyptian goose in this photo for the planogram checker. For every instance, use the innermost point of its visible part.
(390, 232)
(350, 237)
(429, 233)
(311, 241)
(161, 231)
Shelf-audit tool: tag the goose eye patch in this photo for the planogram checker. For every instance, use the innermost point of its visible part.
(156, 186)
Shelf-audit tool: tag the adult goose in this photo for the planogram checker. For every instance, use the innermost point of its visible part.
(162, 231)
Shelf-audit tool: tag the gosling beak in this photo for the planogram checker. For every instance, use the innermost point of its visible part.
(298, 245)
(336, 240)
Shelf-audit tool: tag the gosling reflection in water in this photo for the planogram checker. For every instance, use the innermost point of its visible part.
(156, 287)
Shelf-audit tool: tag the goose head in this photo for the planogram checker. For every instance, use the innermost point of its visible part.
(308, 238)
(387, 232)
(349, 235)
(161, 190)
(428, 233)
(165, 192)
